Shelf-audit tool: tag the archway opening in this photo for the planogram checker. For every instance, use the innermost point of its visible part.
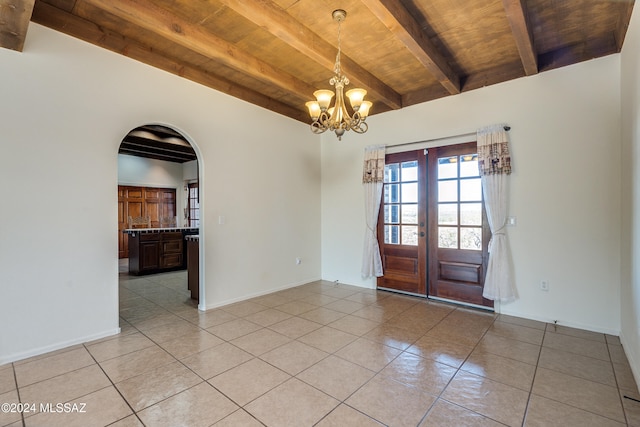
(159, 212)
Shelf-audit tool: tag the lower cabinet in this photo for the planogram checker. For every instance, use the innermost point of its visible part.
(156, 252)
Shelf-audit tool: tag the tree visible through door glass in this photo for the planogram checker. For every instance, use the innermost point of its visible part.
(459, 203)
(401, 203)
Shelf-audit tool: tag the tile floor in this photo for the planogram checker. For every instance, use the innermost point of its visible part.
(326, 355)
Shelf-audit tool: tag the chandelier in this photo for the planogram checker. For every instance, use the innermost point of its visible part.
(337, 118)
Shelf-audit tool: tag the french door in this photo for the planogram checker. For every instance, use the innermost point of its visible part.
(432, 229)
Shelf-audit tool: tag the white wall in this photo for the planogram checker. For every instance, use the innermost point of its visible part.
(630, 226)
(140, 171)
(565, 142)
(66, 105)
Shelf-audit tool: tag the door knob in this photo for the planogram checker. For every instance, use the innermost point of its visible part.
(422, 234)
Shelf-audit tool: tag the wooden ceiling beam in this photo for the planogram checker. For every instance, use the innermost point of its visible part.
(147, 15)
(14, 22)
(522, 33)
(78, 27)
(278, 22)
(626, 7)
(398, 20)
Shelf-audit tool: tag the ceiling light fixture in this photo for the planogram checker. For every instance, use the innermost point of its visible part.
(337, 118)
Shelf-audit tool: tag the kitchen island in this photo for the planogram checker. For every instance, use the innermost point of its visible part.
(155, 250)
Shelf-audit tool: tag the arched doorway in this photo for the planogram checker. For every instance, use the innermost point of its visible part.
(159, 207)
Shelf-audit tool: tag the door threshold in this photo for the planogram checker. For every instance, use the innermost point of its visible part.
(439, 299)
(466, 304)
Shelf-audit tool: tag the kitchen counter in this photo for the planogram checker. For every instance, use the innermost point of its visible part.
(156, 250)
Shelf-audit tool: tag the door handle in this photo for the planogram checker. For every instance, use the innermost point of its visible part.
(422, 234)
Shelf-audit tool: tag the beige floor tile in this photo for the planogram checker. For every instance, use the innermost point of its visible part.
(296, 308)
(198, 406)
(171, 331)
(354, 325)
(293, 357)
(617, 354)
(577, 345)
(340, 291)
(10, 416)
(234, 329)
(159, 319)
(501, 369)
(492, 399)
(191, 343)
(132, 364)
(425, 374)
(242, 309)
(240, 418)
(392, 336)
(578, 333)
(328, 339)
(66, 387)
(267, 317)
(517, 332)
(390, 402)
(577, 365)
(612, 339)
(151, 387)
(522, 322)
(507, 347)
(345, 306)
(368, 296)
(368, 354)
(322, 315)
(261, 341)
(464, 335)
(446, 414)
(119, 346)
(130, 421)
(249, 381)
(336, 377)
(442, 351)
(631, 405)
(211, 318)
(292, 403)
(412, 323)
(344, 416)
(101, 408)
(216, 360)
(272, 300)
(7, 379)
(49, 367)
(624, 376)
(295, 327)
(374, 313)
(318, 300)
(545, 412)
(588, 395)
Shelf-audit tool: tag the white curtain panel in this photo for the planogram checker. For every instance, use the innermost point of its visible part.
(495, 167)
(373, 181)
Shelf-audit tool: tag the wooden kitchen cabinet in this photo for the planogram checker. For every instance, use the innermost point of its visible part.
(156, 250)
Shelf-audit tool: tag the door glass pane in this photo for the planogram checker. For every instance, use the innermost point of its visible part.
(409, 214)
(410, 235)
(392, 214)
(392, 234)
(469, 165)
(471, 214)
(392, 193)
(410, 171)
(448, 214)
(410, 193)
(392, 172)
(471, 238)
(448, 191)
(470, 190)
(447, 167)
(448, 237)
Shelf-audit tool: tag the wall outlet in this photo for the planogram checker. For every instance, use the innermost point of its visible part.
(544, 285)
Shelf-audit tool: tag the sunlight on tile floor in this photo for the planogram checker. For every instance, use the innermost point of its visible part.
(326, 355)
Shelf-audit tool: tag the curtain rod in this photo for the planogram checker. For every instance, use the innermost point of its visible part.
(506, 128)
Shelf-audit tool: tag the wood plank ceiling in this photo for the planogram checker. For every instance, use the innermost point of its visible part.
(276, 53)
